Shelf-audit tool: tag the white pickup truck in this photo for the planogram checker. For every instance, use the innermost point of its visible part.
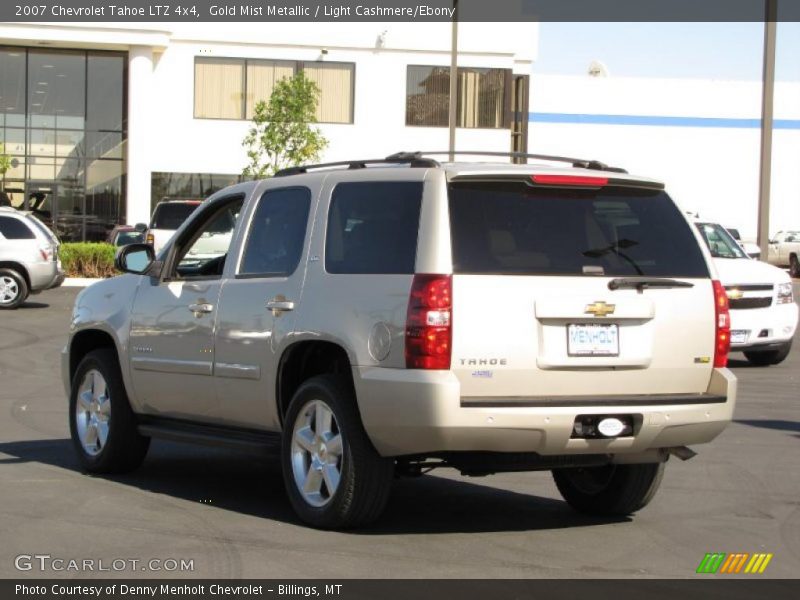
(784, 251)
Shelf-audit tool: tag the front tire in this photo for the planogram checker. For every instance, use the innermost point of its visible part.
(102, 424)
(771, 357)
(794, 266)
(334, 478)
(13, 289)
(613, 490)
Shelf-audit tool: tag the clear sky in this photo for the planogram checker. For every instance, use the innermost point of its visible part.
(680, 50)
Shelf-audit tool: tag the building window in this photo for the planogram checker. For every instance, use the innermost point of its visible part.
(218, 88)
(187, 186)
(230, 88)
(262, 75)
(63, 126)
(481, 102)
(335, 81)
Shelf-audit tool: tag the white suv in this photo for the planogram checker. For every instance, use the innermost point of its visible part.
(167, 218)
(385, 317)
(29, 260)
(763, 311)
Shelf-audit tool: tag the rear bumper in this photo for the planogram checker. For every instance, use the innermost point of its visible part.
(43, 275)
(765, 326)
(416, 412)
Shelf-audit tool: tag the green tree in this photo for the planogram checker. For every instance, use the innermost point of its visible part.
(282, 135)
(5, 160)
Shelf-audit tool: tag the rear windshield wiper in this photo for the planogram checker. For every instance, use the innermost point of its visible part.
(641, 283)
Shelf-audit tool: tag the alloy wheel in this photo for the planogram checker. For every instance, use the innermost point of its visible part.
(9, 289)
(317, 453)
(93, 412)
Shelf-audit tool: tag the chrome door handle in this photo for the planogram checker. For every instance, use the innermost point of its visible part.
(279, 306)
(199, 309)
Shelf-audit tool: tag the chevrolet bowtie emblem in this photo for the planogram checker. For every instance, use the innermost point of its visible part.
(600, 309)
(735, 294)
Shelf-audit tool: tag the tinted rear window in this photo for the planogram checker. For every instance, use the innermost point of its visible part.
(14, 229)
(514, 228)
(372, 227)
(172, 215)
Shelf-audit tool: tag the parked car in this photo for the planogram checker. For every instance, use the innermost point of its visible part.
(763, 312)
(167, 218)
(784, 251)
(383, 321)
(122, 235)
(752, 250)
(29, 261)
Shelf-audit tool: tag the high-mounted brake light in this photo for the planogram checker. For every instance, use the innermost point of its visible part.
(576, 180)
(428, 322)
(722, 336)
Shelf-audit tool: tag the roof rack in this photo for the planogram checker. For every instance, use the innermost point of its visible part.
(580, 163)
(418, 160)
(412, 159)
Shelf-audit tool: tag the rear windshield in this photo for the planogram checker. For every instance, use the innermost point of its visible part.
(171, 215)
(719, 241)
(514, 228)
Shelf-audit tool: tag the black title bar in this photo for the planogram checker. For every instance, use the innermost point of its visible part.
(73, 11)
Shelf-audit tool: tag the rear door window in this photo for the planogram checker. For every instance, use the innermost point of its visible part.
(373, 227)
(14, 229)
(277, 233)
(514, 228)
(171, 215)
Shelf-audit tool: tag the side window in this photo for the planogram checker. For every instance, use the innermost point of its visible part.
(204, 251)
(277, 232)
(373, 227)
(14, 229)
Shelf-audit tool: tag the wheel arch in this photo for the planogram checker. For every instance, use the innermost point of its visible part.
(86, 341)
(305, 359)
(18, 267)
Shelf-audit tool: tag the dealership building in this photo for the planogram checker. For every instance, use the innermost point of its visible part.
(101, 121)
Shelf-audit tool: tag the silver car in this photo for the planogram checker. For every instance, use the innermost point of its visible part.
(29, 261)
(382, 318)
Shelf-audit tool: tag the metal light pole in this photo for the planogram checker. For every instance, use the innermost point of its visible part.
(453, 108)
(768, 94)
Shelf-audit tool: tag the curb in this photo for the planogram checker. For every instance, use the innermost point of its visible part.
(80, 281)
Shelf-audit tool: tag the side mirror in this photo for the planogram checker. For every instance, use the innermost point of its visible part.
(140, 227)
(135, 258)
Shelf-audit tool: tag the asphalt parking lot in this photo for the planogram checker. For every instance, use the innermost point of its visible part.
(228, 513)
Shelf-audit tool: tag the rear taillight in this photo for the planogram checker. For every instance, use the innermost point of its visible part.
(722, 344)
(46, 254)
(429, 322)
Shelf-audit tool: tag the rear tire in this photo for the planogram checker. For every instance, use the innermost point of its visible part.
(102, 424)
(613, 490)
(13, 289)
(771, 357)
(334, 478)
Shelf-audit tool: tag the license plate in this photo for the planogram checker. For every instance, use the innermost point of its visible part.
(739, 336)
(592, 339)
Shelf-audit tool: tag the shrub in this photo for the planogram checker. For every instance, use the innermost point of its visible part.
(88, 259)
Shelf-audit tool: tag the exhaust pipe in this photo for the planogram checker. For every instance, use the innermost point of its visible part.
(682, 452)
